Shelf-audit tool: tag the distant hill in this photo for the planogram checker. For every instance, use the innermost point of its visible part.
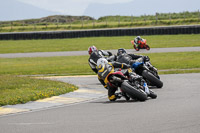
(15, 10)
(77, 19)
(141, 7)
(53, 19)
(64, 19)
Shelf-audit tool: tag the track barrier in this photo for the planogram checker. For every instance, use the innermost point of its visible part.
(164, 30)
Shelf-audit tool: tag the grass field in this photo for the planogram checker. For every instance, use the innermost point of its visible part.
(15, 90)
(78, 65)
(106, 43)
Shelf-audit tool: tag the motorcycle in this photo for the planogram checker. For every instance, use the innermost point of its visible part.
(143, 45)
(135, 89)
(148, 72)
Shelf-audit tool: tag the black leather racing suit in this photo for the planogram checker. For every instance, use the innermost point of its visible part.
(128, 58)
(97, 55)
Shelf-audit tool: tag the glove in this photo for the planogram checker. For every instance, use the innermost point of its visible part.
(140, 59)
(126, 66)
(146, 58)
(109, 53)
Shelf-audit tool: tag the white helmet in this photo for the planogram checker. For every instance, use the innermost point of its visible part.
(92, 49)
(101, 62)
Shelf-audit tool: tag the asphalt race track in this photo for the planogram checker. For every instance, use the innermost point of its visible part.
(79, 53)
(176, 110)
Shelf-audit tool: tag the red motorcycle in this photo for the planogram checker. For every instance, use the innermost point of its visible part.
(142, 45)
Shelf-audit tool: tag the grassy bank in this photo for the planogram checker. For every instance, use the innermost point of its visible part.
(15, 90)
(97, 25)
(79, 44)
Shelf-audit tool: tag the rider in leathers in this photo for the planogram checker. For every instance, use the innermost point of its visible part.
(123, 57)
(96, 54)
(137, 41)
(105, 68)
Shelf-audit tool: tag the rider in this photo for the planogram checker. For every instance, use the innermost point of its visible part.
(137, 41)
(105, 68)
(95, 54)
(124, 57)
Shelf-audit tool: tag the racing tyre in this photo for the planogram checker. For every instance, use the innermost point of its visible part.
(152, 95)
(147, 47)
(137, 49)
(133, 92)
(152, 79)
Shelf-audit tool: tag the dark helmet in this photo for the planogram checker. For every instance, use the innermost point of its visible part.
(121, 51)
(139, 38)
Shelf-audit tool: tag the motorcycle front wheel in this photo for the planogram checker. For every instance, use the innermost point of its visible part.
(152, 95)
(147, 47)
(133, 92)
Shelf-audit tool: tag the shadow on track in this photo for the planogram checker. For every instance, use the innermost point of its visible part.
(118, 101)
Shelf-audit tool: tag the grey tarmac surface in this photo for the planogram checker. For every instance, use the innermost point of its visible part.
(78, 53)
(176, 110)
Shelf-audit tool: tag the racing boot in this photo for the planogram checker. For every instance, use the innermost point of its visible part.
(125, 96)
(114, 97)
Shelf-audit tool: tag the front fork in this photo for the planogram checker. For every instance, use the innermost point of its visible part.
(146, 88)
(143, 85)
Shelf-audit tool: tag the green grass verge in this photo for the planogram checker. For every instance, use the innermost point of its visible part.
(106, 43)
(69, 65)
(78, 65)
(174, 62)
(15, 90)
(178, 71)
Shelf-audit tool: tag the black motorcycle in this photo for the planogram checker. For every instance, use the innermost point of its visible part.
(148, 72)
(135, 89)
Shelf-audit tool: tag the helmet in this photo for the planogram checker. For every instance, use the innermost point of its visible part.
(139, 38)
(101, 62)
(92, 49)
(121, 51)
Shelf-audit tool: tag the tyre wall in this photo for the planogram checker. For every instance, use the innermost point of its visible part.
(193, 29)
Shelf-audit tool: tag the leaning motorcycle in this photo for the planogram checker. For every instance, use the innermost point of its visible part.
(135, 89)
(143, 45)
(148, 72)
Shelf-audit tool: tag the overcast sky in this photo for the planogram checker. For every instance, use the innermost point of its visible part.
(29, 9)
(72, 7)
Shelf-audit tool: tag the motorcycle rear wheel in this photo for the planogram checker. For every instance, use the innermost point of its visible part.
(152, 79)
(133, 92)
(137, 49)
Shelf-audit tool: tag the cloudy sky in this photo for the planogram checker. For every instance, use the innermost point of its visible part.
(29, 9)
(73, 7)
